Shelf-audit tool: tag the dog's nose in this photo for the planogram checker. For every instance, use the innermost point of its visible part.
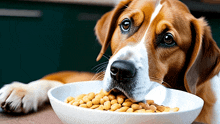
(122, 69)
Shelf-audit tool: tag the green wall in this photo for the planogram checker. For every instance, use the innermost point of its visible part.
(62, 39)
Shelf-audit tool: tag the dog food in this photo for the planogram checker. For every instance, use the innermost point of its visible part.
(116, 101)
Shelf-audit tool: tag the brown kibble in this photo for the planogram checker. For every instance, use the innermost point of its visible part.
(157, 111)
(167, 109)
(71, 102)
(127, 104)
(83, 105)
(91, 95)
(81, 101)
(89, 104)
(76, 104)
(130, 110)
(121, 96)
(96, 101)
(105, 93)
(111, 96)
(160, 108)
(174, 109)
(153, 108)
(107, 105)
(86, 99)
(140, 111)
(149, 111)
(115, 107)
(122, 109)
(80, 97)
(94, 106)
(128, 100)
(101, 107)
(144, 106)
(150, 102)
(102, 101)
(135, 106)
(105, 98)
(101, 92)
(154, 104)
(114, 101)
(120, 100)
(68, 99)
(99, 96)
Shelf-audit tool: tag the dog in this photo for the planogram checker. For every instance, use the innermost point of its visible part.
(152, 41)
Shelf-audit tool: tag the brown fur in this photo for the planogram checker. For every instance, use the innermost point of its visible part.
(205, 92)
(69, 76)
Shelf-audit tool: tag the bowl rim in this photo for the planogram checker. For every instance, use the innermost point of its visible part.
(50, 96)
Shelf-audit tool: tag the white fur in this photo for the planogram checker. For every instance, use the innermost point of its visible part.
(154, 15)
(29, 95)
(215, 83)
(137, 54)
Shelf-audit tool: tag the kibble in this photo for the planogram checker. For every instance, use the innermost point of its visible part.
(116, 102)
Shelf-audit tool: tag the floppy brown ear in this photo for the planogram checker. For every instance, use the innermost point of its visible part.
(106, 25)
(205, 54)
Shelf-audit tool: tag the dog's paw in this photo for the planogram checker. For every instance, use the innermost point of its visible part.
(18, 97)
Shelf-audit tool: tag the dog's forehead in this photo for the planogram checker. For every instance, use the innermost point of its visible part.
(148, 7)
(147, 3)
(156, 11)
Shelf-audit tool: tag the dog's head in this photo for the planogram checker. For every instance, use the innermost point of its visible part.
(155, 41)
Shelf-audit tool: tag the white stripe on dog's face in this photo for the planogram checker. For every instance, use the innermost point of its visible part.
(137, 54)
(154, 15)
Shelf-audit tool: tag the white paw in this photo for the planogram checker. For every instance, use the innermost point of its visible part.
(18, 97)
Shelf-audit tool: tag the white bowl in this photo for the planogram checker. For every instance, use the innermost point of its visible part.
(189, 104)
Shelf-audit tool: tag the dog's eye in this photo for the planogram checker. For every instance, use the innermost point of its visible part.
(168, 40)
(125, 25)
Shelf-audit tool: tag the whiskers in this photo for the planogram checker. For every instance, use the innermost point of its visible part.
(100, 69)
(106, 56)
(98, 76)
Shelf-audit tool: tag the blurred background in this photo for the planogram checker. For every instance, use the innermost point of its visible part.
(38, 37)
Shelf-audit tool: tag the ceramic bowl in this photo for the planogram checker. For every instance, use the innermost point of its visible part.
(189, 106)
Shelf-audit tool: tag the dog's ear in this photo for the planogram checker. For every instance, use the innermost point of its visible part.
(205, 56)
(106, 25)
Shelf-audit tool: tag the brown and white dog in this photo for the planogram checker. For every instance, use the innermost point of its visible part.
(152, 41)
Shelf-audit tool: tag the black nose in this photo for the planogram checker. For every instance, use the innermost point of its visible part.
(122, 70)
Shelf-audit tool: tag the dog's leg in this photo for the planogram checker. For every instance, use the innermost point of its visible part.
(19, 97)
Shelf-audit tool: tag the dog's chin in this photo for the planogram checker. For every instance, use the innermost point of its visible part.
(134, 90)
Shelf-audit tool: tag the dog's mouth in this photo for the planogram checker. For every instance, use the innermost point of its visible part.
(118, 90)
(132, 89)
(126, 89)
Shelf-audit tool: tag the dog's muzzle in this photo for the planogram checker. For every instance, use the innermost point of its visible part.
(128, 72)
(122, 71)
(123, 78)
